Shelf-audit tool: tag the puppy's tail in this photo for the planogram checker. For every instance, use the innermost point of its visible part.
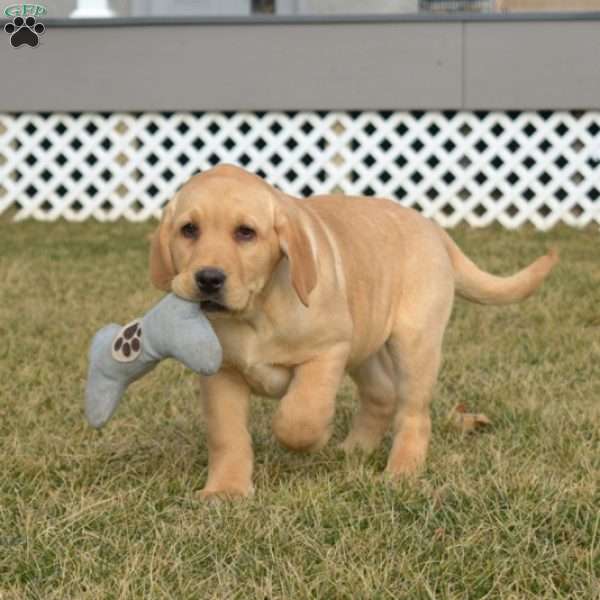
(484, 288)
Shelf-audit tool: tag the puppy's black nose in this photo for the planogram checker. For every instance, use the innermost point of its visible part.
(210, 280)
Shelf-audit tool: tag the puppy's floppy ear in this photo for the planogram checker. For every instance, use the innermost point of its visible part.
(296, 245)
(161, 262)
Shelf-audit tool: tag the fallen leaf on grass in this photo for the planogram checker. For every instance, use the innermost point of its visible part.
(465, 421)
(593, 322)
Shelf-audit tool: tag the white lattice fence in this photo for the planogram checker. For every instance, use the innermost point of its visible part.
(542, 167)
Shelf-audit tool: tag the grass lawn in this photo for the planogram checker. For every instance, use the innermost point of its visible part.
(512, 513)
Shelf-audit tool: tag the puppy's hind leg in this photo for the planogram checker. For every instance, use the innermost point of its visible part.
(416, 351)
(417, 375)
(378, 400)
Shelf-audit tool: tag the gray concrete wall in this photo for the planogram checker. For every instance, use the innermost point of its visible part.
(291, 64)
(61, 9)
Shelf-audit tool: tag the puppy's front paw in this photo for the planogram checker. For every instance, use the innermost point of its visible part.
(405, 466)
(300, 432)
(227, 493)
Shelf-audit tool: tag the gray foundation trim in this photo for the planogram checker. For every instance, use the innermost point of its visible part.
(355, 63)
(534, 65)
(257, 19)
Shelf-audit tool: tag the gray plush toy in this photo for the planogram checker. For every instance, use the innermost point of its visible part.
(174, 328)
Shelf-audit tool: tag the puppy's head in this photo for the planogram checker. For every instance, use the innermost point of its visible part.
(221, 238)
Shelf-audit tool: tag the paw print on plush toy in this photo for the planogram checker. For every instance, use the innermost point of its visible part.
(24, 31)
(128, 344)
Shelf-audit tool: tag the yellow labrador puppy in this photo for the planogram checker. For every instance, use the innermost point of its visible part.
(301, 291)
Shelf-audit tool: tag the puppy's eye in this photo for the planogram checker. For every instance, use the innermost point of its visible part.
(190, 231)
(244, 233)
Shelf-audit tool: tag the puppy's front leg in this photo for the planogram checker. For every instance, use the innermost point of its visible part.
(303, 419)
(225, 397)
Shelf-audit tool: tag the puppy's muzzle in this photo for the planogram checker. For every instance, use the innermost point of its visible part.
(210, 281)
